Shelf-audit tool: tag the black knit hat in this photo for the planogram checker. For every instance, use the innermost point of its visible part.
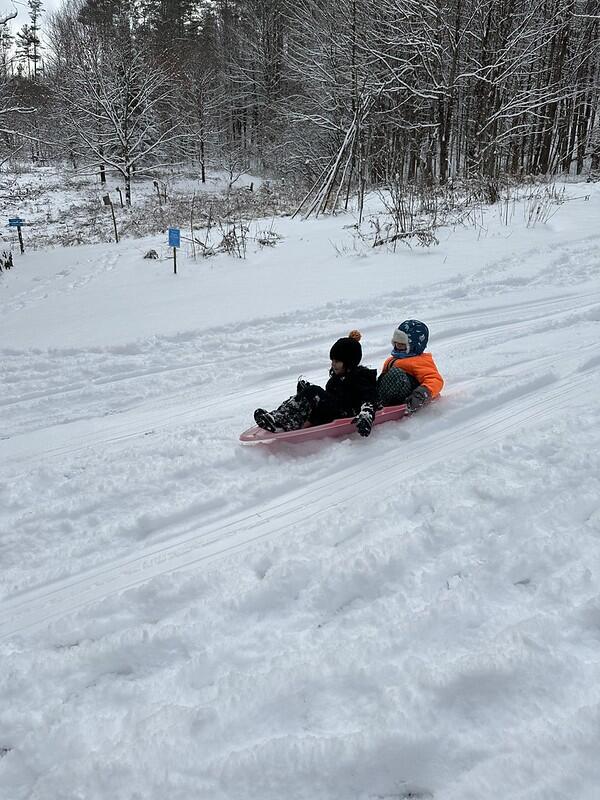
(347, 350)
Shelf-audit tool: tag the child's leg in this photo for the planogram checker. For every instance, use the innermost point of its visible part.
(290, 416)
(394, 386)
(311, 404)
(323, 409)
(292, 413)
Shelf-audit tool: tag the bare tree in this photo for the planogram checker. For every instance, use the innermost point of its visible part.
(459, 87)
(339, 94)
(117, 102)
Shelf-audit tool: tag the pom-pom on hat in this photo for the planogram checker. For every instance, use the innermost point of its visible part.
(348, 350)
(413, 334)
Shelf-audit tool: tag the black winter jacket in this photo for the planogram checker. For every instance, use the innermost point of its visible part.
(351, 390)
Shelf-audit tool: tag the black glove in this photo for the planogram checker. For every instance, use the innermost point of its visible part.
(302, 386)
(419, 398)
(364, 419)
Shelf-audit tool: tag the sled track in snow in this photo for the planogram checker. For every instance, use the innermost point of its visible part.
(198, 545)
(479, 323)
(81, 433)
(120, 428)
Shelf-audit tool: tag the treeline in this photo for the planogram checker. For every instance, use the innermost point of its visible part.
(339, 93)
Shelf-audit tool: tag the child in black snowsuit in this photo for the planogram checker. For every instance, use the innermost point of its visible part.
(349, 392)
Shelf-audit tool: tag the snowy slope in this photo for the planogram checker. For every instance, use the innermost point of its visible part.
(411, 615)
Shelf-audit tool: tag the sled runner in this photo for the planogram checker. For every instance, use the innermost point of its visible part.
(339, 427)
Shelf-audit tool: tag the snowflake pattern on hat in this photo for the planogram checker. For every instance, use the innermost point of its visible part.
(415, 333)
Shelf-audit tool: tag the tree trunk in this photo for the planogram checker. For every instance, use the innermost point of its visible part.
(102, 168)
(128, 186)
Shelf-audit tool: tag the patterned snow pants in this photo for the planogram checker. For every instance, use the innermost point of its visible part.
(394, 386)
(312, 405)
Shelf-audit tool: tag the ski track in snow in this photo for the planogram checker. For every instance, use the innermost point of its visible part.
(149, 411)
(146, 412)
(410, 615)
(60, 283)
(586, 252)
(481, 328)
(201, 544)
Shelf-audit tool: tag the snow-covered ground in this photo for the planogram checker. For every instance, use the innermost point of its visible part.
(64, 207)
(416, 614)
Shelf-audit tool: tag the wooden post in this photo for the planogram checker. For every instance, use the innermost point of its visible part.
(20, 239)
(192, 226)
(174, 261)
(108, 202)
(112, 208)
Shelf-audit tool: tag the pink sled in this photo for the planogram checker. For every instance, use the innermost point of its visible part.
(339, 427)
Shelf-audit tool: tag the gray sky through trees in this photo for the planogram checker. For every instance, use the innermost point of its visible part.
(22, 9)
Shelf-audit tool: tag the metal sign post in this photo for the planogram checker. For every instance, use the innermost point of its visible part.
(16, 222)
(174, 242)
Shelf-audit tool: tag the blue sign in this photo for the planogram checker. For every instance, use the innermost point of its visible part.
(15, 222)
(174, 237)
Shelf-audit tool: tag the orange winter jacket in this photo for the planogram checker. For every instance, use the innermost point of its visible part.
(422, 368)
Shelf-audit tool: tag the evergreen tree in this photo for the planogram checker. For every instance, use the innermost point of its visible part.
(7, 41)
(35, 10)
(23, 49)
(28, 42)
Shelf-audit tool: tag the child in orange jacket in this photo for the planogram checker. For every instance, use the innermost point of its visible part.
(409, 375)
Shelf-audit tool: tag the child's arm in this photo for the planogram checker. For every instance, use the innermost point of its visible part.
(367, 395)
(426, 372)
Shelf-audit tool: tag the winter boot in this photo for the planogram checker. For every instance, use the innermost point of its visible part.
(265, 420)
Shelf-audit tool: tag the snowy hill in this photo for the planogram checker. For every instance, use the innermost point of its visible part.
(415, 614)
